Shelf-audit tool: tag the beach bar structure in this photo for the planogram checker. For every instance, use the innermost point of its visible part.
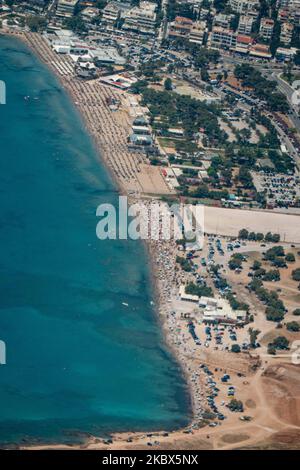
(220, 311)
(214, 310)
(187, 297)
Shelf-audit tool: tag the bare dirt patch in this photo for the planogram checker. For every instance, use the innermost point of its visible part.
(250, 404)
(234, 438)
(281, 385)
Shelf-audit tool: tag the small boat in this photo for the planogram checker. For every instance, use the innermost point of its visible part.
(124, 303)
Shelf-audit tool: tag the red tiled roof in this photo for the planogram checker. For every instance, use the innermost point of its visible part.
(182, 19)
(244, 39)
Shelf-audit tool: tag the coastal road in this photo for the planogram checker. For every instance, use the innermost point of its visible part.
(287, 142)
(164, 23)
(288, 91)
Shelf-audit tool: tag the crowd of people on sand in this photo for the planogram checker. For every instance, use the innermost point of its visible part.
(177, 335)
(168, 279)
(109, 129)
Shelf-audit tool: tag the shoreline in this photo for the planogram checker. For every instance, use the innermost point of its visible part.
(154, 251)
(108, 130)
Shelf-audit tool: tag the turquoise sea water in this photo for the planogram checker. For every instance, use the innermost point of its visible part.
(77, 359)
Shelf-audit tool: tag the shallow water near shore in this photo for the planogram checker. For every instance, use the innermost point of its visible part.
(78, 360)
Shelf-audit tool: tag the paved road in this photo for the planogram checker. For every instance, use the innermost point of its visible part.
(288, 91)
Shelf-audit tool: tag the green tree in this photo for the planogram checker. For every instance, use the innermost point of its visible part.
(235, 348)
(256, 265)
(76, 24)
(274, 314)
(243, 234)
(236, 405)
(36, 23)
(204, 74)
(293, 326)
(296, 274)
(168, 84)
(273, 275)
(253, 334)
(280, 342)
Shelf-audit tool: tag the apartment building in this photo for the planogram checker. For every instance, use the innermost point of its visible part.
(203, 14)
(66, 8)
(222, 20)
(188, 29)
(141, 19)
(38, 3)
(290, 12)
(89, 13)
(288, 3)
(197, 32)
(245, 24)
(283, 14)
(222, 38)
(110, 14)
(286, 33)
(266, 28)
(244, 6)
(181, 27)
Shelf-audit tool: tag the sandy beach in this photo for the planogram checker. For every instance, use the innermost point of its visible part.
(109, 129)
(134, 176)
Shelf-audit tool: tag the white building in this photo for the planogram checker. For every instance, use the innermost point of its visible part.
(286, 33)
(197, 32)
(111, 13)
(222, 20)
(90, 13)
(266, 28)
(285, 55)
(244, 6)
(66, 8)
(220, 311)
(141, 19)
(245, 24)
(187, 297)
